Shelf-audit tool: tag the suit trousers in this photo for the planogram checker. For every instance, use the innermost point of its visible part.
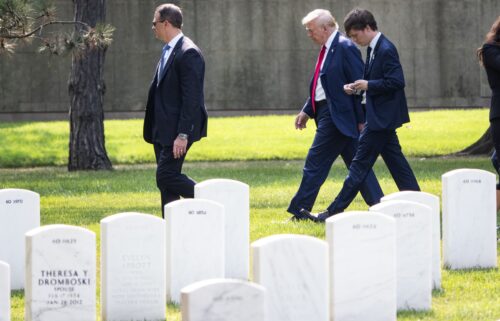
(328, 144)
(170, 181)
(371, 145)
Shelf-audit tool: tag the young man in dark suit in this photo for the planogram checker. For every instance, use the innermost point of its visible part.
(339, 117)
(175, 111)
(386, 110)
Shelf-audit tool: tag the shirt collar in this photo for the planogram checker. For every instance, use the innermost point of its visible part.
(174, 40)
(328, 43)
(375, 39)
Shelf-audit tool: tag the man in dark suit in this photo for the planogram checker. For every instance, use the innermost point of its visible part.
(386, 109)
(175, 112)
(338, 116)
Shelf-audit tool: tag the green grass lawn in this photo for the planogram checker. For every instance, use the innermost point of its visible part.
(430, 133)
(84, 198)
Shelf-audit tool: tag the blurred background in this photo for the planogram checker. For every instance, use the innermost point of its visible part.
(259, 59)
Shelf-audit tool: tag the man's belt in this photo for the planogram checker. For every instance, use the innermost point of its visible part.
(320, 103)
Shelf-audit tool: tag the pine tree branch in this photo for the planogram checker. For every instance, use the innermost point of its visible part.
(32, 32)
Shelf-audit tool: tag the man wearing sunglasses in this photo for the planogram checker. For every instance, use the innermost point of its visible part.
(175, 111)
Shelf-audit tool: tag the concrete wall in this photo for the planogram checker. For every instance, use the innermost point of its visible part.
(258, 56)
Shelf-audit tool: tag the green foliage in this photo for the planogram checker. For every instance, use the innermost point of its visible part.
(433, 133)
(14, 13)
(27, 20)
(100, 36)
(84, 198)
(46, 7)
(18, 18)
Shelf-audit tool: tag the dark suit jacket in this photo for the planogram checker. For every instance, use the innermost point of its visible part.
(343, 65)
(385, 98)
(175, 100)
(491, 61)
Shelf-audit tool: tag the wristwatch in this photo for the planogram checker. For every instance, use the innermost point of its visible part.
(182, 136)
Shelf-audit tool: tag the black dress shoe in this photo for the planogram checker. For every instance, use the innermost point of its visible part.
(297, 218)
(316, 217)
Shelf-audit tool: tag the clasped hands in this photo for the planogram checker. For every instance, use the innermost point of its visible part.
(356, 87)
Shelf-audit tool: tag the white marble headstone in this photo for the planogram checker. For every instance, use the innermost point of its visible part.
(19, 213)
(469, 219)
(294, 271)
(433, 202)
(223, 300)
(60, 274)
(133, 284)
(4, 292)
(195, 243)
(413, 252)
(235, 197)
(362, 248)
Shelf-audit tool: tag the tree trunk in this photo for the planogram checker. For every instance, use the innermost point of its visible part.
(86, 91)
(483, 146)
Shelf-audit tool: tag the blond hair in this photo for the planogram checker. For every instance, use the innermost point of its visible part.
(323, 17)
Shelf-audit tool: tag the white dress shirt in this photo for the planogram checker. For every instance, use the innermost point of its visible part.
(320, 92)
(372, 45)
(166, 53)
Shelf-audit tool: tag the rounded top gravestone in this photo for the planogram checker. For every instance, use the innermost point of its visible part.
(433, 202)
(223, 300)
(294, 270)
(235, 197)
(19, 213)
(133, 279)
(195, 243)
(413, 252)
(60, 274)
(469, 219)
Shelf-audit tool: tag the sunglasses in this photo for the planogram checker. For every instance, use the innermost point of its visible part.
(155, 22)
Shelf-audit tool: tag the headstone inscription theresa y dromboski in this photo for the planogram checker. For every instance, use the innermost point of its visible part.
(60, 274)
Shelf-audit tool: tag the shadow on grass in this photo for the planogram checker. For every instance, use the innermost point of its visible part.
(438, 293)
(19, 294)
(416, 314)
(88, 216)
(465, 271)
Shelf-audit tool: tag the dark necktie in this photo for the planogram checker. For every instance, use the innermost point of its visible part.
(367, 62)
(316, 76)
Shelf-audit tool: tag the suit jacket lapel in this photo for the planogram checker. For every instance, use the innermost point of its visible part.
(171, 58)
(375, 53)
(329, 55)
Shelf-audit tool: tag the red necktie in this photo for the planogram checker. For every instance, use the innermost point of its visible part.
(316, 76)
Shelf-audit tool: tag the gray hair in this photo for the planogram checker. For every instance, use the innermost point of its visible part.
(323, 18)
